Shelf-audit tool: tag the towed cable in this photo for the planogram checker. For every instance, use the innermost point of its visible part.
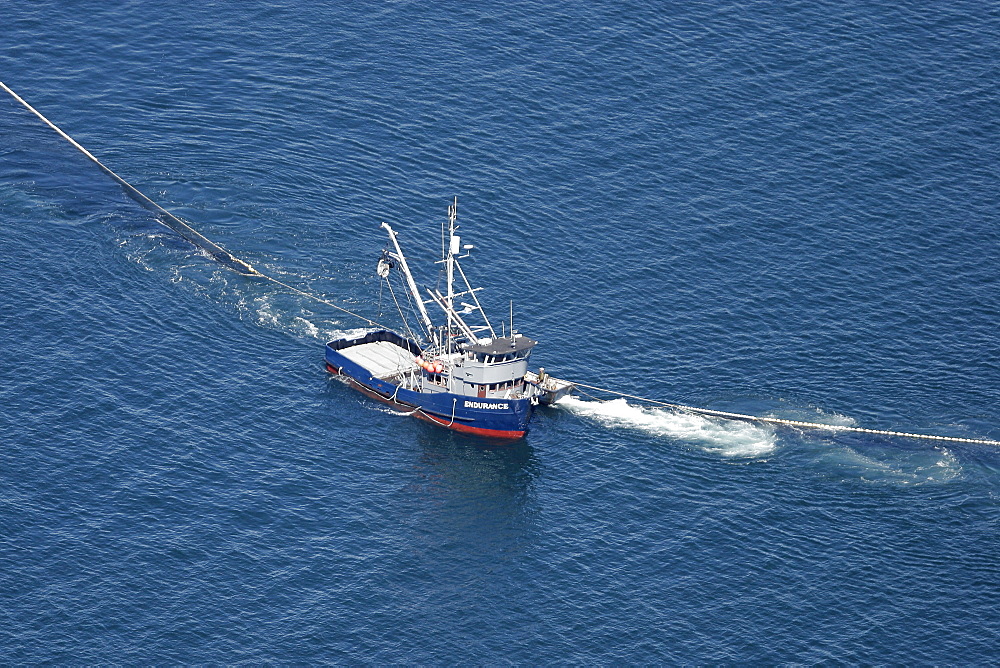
(164, 217)
(227, 259)
(790, 423)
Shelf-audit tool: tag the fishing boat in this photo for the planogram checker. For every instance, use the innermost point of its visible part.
(459, 373)
(452, 375)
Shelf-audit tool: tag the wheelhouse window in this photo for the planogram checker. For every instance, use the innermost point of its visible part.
(497, 359)
(497, 387)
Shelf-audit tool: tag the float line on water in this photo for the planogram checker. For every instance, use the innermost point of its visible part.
(234, 263)
(790, 423)
(217, 252)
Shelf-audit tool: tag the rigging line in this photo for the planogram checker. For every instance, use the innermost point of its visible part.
(400, 309)
(592, 396)
(792, 423)
(171, 221)
(410, 304)
(319, 299)
(380, 299)
(240, 266)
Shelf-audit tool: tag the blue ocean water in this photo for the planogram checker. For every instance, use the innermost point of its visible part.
(780, 208)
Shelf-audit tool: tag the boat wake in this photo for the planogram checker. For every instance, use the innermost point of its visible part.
(260, 303)
(813, 415)
(893, 466)
(296, 320)
(728, 438)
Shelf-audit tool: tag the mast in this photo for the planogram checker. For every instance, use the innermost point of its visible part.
(444, 337)
(453, 250)
(428, 325)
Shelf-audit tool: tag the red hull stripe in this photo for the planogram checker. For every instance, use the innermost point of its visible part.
(469, 429)
(423, 415)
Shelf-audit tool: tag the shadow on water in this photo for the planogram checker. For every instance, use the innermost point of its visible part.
(476, 468)
(475, 496)
(457, 492)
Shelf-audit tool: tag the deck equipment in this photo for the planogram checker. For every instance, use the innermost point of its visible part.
(458, 374)
(429, 378)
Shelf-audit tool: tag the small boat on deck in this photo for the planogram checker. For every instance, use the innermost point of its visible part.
(459, 374)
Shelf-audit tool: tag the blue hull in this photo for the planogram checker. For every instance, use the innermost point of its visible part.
(496, 418)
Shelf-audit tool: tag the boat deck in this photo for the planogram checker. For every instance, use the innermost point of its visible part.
(380, 358)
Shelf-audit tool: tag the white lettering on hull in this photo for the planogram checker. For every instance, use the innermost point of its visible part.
(483, 404)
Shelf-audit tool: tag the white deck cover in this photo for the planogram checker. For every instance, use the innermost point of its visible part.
(381, 358)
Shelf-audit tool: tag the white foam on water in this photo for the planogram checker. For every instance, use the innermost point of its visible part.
(138, 247)
(311, 329)
(729, 438)
(945, 469)
(904, 467)
(274, 309)
(333, 333)
(816, 415)
(269, 314)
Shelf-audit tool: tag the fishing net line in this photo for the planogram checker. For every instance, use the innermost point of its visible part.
(227, 259)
